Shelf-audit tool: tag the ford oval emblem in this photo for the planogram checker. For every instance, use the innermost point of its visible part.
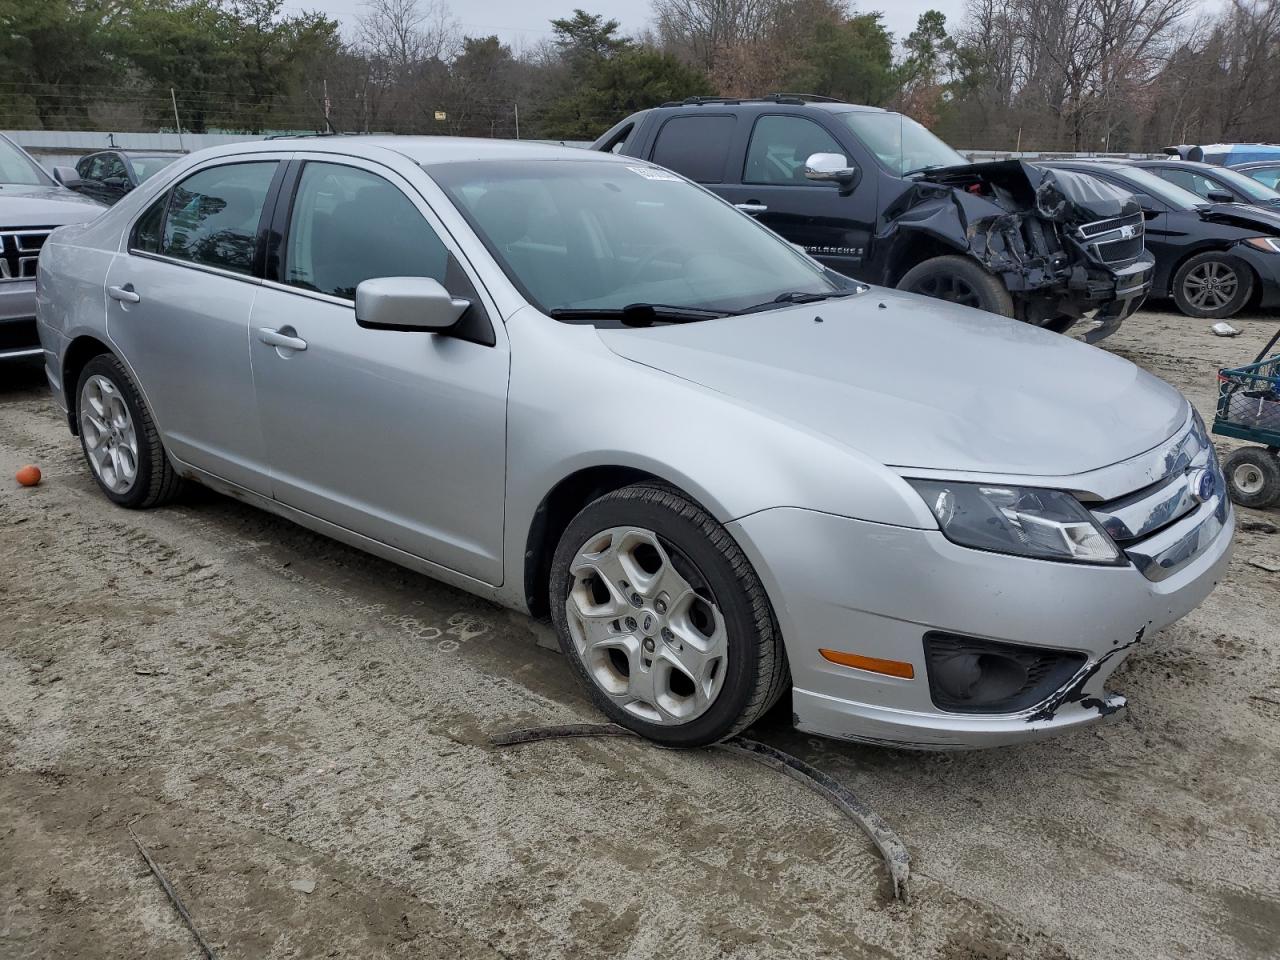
(1204, 485)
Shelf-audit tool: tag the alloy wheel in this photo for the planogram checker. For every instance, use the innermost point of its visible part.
(110, 439)
(946, 286)
(646, 626)
(1210, 285)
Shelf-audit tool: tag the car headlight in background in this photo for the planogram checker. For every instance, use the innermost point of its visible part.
(1025, 521)
(1265, 244)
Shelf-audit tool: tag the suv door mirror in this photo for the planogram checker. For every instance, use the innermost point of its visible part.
(407, 303)
(1220, 196)
(831, 168)
(68, 177)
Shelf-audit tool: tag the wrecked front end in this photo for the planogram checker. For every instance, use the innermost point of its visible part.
(1065, 244)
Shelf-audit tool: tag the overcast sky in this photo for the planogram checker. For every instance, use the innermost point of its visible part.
(523, 23)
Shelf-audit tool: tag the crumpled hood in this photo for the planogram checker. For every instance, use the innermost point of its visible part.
(923, 383)
(44, 206)
(1063, 195)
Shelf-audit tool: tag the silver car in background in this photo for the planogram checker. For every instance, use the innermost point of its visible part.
(580, 386)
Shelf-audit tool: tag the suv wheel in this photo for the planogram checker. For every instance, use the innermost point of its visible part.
(119, 438)
(959, 280)
(664, 619)
(1212, 286)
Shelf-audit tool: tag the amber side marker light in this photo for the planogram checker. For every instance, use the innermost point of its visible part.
(892, 668)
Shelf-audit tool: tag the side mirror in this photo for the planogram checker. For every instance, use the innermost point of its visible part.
(831, 168)
(407, 303)
(1220, 196)
(68, 177)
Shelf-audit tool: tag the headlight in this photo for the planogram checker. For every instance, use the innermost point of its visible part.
(1265, 244)
(1025, 521)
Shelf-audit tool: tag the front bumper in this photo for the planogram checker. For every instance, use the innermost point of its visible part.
(1121, 290)
(18, 337)
(875, 590)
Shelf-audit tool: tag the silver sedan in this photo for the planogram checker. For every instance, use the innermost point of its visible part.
(580, 386)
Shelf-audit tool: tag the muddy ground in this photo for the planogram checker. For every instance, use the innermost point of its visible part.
(266, 706)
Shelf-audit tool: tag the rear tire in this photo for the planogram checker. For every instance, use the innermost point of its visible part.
(1253, 477)
(1212, 286)
(958, 280)
(664, 619)
(119, 437)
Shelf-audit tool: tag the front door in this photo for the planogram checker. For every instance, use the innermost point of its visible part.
(397, 435)
(178, 304)
(833, 228)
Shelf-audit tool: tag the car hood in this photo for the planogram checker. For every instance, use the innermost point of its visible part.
(1264, 219)
(915, 382)
(44, 206)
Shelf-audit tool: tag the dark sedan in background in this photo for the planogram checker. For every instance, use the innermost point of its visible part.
(110, 174)
(1212, 259)
(1213, 183)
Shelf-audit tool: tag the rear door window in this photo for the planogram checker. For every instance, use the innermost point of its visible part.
(696, 146)
(213, 215)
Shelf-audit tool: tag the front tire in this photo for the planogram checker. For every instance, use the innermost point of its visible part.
(1212, 286)
(1253, 477)
(664, 619)
(119, 438)
(958, 280)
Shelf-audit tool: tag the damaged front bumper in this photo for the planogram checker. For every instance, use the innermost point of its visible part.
(878, 591)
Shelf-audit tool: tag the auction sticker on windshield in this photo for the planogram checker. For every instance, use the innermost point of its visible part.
(653, 173)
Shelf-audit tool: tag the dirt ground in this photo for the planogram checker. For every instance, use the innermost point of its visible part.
(266, 706)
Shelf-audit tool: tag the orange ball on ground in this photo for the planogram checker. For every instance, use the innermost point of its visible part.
(28, 476)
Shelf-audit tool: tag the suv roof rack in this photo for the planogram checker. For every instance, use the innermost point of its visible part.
(793, 98)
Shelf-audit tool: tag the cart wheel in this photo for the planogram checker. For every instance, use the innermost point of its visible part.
(1253, 477)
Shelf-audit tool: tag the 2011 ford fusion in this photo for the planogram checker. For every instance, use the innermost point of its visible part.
(580, 385)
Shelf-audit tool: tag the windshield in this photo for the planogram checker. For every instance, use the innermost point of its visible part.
(592, 234)
(1147, 182)
(1250, 187)
(17, 167)
(146, 167)
(902, 145)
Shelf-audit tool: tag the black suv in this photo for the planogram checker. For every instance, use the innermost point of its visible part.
(876, 196)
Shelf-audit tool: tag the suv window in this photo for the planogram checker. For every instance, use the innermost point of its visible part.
(213, 215)
(779, 147)
(349, 225)
(113, 168)
(696, 147)
(87, 167)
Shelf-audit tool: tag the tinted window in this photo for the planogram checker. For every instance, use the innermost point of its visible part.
(113, 168)
(1189, 181)
(147, 231)
(213, 215)
(86, 166)
(780, 146)
(695, 146)
(349, 225)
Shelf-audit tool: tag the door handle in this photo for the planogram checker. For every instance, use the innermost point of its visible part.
(752, 207)
(275, 338)
(124, 294)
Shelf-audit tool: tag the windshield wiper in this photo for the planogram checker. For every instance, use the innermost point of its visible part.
(640, 314)
(798, 296)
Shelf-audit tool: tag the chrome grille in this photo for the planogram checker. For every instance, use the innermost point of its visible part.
(1088, 231)
(1119, 250)
(19, 250)
(1164, 526)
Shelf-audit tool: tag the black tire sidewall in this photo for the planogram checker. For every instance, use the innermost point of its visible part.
(1237, 303)
(992, 295)
(105, 365)
(1269, 466)
(731, 597)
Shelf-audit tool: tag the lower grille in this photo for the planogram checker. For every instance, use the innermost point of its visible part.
(18, 335)
(1118, 251)
(19, 249)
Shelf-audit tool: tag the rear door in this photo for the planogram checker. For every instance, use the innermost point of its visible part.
(178, 309)
(769, 182)
(399, 436)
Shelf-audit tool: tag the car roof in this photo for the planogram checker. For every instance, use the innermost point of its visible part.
(1256, 164)
(422, 150)
(781, 104)
(1177, 162)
